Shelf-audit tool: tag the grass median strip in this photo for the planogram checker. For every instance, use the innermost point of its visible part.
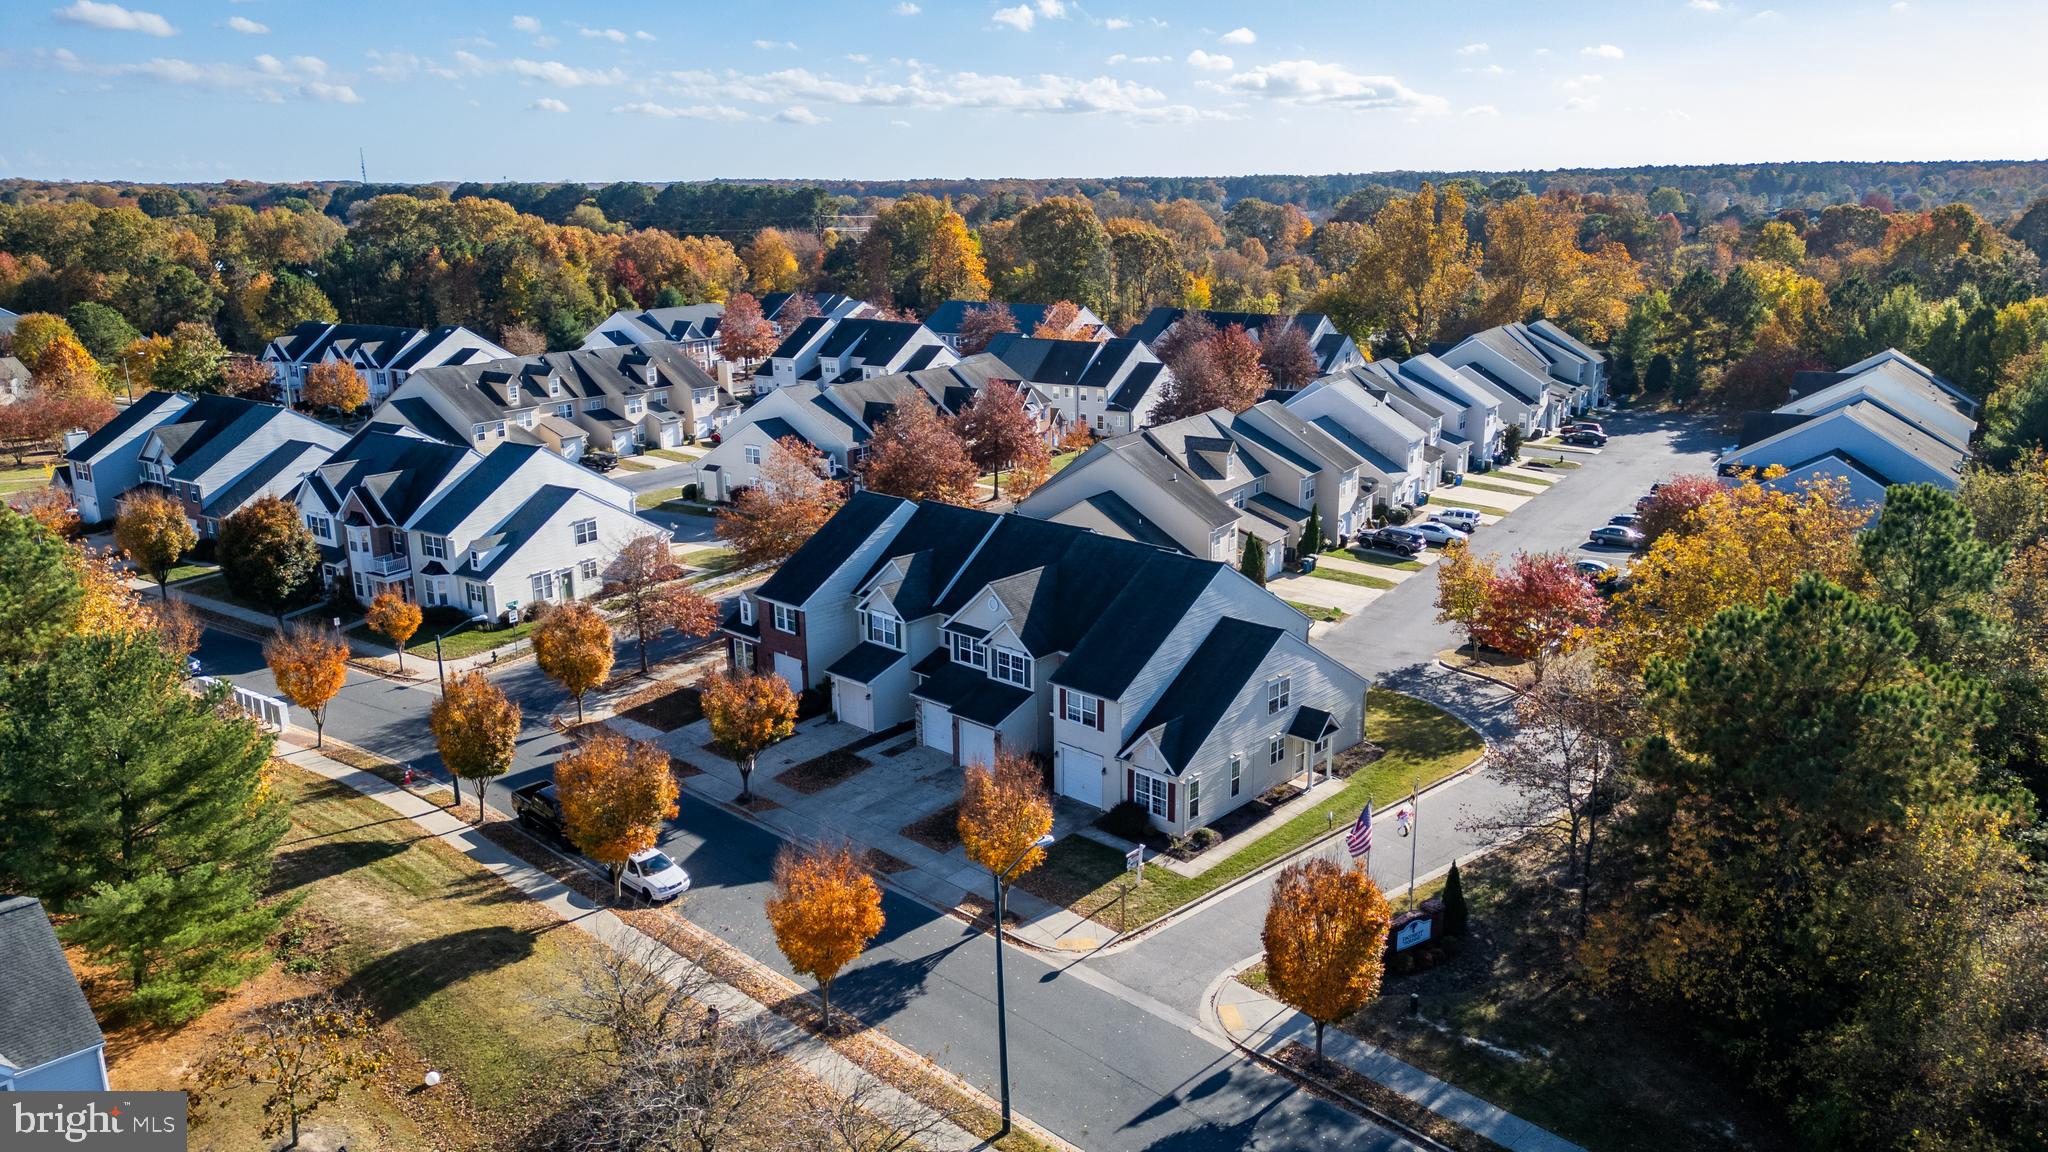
(1439, 501)
(1504, 489)
(1358, 578)
(1316, 611)
(1423, 743)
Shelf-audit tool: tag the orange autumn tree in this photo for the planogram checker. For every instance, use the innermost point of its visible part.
(1003, 812)
(333, 384)
(615, 793)
(826, 908)
(394, 616)
(1000, 433)
(152, 530)
(768, 522)
(654, 597)
(917, 454)
(1062, 321)
(573, 646)
(310, 667)
(747, 712)
(1326, 940)
(476, 729)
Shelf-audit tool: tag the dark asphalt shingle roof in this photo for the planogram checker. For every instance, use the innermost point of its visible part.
(1218, 671)
(1311, 724)
(475, 486)
(519, 527)
(829, 548)
(43, 1014)
(865, 662)
(121, 424)
(1137, 617)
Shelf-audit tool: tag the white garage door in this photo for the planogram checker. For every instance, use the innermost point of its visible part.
(977, 745)
(791, 669)
(853, 704)
(937, 724)
(1080, 774)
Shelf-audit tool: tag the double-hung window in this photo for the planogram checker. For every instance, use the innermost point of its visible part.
(746, 610)
(752, 453)
(969, 651)
(1083, 709)
(1276, 749)
(1308, 492)
(1011, 667)
(1194, 799)
(588, 569)
(1150, 791)
(565, 411)
(884, 629)
(586, 531)
(543, 585)
(433, 547)
(785, 619)
(1236, 774)
(320, 526)
(1277, 692)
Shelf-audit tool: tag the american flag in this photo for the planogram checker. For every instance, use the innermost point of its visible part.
(1359, 842)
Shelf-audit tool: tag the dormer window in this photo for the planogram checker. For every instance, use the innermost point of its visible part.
(653, 377)
(969, 651)
(512, 392)
(1010, 666)
(554, 386)
(884, 629)
(746, 609)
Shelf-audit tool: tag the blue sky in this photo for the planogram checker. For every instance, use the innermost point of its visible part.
(876, 89)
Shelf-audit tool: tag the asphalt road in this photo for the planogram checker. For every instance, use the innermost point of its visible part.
(1105, 1050)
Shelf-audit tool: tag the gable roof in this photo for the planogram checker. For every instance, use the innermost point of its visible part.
(930, 547)
(400, 471)
(151, 404)
(828, 548)
(43, 1014)
(1212, 678)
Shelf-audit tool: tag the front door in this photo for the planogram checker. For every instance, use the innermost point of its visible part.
(937, 726)
(791, 669)
(1078, 773)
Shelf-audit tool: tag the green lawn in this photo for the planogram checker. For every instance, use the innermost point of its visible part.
(1423, 744)
(1539, 481)
(1358, 578)
(631, 464)
(672, 454)
(1387, 560)
(190, 569)
(1559, 463)
(22, 479)
(1490, 486)
(468, 641)
(1063, 459)
(657, 498)
(1316, 611)
(1439, 500)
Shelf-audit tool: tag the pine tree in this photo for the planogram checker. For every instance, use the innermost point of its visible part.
(1312, 533)
(1253, 562)
(1456, 912)
(144, 811)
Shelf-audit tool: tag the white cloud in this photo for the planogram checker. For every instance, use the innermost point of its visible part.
(247, 26)
(1116, 23)
(1238, 36)
(899, 123)
(1052, 9)
(965, 90)
(526, 24)
(1601, 51)
(1482, 110)
(404, 65)
(563, 75)
(1126, 58)
(1704, 5)
(1765, 16)
(611, 34)
(269, 80)
(857, 57)
(643, 34)
(1581, 104)
(1900, 6)
(775, 45)
(907, 9)
(547, 104)
(1021, 17)
(1475, 49)
(114, 18)
(1578, 83)
(1313, 82)
(694, 112)
(798, 114)
(329, 93)
(1210, 63)
(1493, 70)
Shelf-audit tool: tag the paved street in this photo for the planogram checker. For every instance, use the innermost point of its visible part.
(1104, 1050)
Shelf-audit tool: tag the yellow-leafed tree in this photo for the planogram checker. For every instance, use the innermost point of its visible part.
(476, 728)
(1003, 812)
(1464, 584)
(394, 616)
(152, 530)
(333, 384)
(573, 646)
(1326, 939)
(747, 712)
(826, 908)
(614, 793)
(310, 667)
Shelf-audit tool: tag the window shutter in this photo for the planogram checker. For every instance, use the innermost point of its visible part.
(1130, 783)
(1063, 703)
(1170, 790)
(1101, 707)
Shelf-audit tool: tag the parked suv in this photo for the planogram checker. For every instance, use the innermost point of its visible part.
(1464, 519)
(1439, 533)
(1405, 541)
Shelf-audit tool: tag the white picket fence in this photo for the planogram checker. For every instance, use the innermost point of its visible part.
(271, 711)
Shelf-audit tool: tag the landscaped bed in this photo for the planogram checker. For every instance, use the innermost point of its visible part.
(821, 772)
(667, 711)
(1421, 743)
(940, 831)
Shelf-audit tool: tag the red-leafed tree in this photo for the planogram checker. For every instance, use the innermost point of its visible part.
(1211, 369)
(800, 306)
(984, 324)
(999, 433)
(743, 334)
(1062, 321)
(1538, 605)
(1672, 502)
(1240, 373)
(768, 522)
(916, 454)
(1284, 350)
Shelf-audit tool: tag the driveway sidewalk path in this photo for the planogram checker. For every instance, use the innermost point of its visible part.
(1265, 1026)
(815, 1056)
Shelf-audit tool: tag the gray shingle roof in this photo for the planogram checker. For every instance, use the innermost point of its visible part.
(1218, 671)
(43, 1015)
(828, 548)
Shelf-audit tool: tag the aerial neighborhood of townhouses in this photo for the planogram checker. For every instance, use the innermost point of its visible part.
(1534, 660)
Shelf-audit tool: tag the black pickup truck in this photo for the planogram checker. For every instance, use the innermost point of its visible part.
(539, 809)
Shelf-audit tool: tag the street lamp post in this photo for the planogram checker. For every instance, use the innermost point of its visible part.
(441, 670)
(1002, 1009)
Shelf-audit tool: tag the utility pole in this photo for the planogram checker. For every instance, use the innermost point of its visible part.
(362, 166)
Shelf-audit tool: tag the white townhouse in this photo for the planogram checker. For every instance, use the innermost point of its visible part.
(1108, 386)
(693, 326)
(214, 455)
(1882, 421)
(1541, 382)
(450, 527)
(1137, 673)
(383, 355)
(620, 399)
(1404, 458)
(1471, 415)
(1130, 487)
(825, 350)
(1306, 468)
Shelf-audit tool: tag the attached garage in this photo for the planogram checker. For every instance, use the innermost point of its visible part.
(1077, 772)
(977, 745)
(935, 726)
(853, 704)
(791, 669)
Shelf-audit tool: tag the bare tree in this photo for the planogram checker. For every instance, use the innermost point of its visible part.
(1568, 771)
(877, 1117)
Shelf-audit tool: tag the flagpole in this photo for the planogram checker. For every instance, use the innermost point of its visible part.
(1414, 834)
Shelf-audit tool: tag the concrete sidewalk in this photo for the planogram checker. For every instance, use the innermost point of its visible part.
(815, 1056)
(1264, 1025)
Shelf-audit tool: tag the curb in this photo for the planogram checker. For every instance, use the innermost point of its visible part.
(1479, 676)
